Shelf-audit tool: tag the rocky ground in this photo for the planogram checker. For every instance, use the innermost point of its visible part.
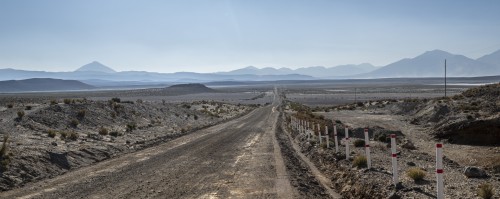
(46, 138)
(419, 124)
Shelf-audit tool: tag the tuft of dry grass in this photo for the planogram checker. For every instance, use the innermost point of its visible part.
(51, 133)
(103, 131)
(416, 174)
(81, 114)
(20, 114)
(131, 127)
(360, 161)
(74, 123)
(486, 191)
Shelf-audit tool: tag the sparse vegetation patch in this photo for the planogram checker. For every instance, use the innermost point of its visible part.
(360, 162)
(416, 174)
(486, 191)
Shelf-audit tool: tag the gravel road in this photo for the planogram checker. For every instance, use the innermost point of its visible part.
(237, 159)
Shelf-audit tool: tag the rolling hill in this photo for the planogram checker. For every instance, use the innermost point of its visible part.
(42, 84)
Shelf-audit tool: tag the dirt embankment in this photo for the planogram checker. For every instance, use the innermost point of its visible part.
(46, 140)
(299, 174)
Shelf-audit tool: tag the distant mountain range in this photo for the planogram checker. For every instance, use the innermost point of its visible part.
(428, 64)
(431, 64)
(42, 84)
(105, 78)
(315, 71)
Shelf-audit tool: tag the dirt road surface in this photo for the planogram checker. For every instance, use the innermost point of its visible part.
(237, 159)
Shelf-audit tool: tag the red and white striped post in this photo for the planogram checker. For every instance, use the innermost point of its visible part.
(439, 171)
(319, 134)
(346, 143)
(367, 149)
(327, 137)
(394, 160)
(335, 137)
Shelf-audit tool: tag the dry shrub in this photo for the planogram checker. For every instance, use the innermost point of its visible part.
(67, 101)
(64, 134)
(416, 174)
(103, 131)
(81, 113)
(486, 191)
(360, 161)
(51, 133)
(20, 114)
(74, 123)
(73, 136)
(131, 127)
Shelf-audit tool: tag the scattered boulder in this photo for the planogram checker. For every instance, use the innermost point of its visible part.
(474, 172)
(407, 144)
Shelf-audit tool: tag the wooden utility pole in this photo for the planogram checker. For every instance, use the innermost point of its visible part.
(445, 78)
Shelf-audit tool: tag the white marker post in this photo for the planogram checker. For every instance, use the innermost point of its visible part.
(394, 160)
(319, 134)
(327, 137)
(335, 137)
(439, 171)
(308, 132)
(367, 149)
(346, 143)
(300, 126)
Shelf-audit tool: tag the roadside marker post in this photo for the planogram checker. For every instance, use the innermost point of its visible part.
(335, 137)
(304, 127)
(439, 171)
(367, 149)
(319, 134)
(295, 123)
(301, 126)
(394, 160)
(306, 130)
(311, 128)
(346, 142)
(327, 137)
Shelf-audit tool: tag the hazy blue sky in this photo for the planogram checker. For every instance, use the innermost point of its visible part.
(211, 35)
